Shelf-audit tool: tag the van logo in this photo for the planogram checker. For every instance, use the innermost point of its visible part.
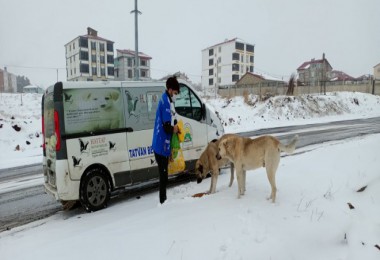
(76, 161)
(83, 146)
(68, 97)
(112, 146)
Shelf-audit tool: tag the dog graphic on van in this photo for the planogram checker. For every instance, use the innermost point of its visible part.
(107, 105)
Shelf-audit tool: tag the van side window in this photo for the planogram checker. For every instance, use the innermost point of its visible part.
(187, 104)
(140, 107)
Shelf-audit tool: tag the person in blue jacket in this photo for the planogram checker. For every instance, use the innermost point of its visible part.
(162, 133)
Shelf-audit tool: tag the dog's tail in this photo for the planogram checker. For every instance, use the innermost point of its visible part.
(289, 148)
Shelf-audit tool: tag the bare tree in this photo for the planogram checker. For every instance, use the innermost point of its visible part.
(291, 83)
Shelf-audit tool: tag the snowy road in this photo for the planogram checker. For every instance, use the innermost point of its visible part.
(22, 197)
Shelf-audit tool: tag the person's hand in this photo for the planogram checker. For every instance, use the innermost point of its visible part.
(175, 129)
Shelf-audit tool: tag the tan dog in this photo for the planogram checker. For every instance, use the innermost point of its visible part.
(250, 154)
(208, 163)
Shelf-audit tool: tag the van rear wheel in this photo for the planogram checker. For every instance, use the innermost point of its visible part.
(95, 190)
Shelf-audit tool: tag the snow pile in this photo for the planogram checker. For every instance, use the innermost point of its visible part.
(241, 114)
(20, 128)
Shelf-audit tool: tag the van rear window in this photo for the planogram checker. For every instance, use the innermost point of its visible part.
(49, 114)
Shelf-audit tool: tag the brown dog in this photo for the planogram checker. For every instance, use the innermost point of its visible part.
(250, 154)
(208, 163)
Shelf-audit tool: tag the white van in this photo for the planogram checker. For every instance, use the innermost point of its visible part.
(98, 136)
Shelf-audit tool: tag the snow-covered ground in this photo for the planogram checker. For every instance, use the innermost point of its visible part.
(311, 218)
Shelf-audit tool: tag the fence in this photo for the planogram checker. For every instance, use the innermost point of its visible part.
(262, 90)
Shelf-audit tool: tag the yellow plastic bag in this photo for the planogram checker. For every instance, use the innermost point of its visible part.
(181, 135)
(176, 160)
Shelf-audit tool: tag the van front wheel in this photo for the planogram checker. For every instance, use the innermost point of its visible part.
(95, 190)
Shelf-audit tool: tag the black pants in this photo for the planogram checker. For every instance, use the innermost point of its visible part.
(162, 162)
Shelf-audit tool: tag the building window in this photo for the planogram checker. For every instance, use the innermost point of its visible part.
(109, 46)
(129, 62)
(210, 72)
(93, 45)
(235, 67)
(101, 46)
(143, 73)
(210, 52)
(84, 68)
(235, 56)
(73, 45)
(93, 58)
(211, 82)
(143, 62)
(94, 72)
(83, 55)
(129, 74)
(109, 59)
(220, 49)
(239, 46)
(235, 78)
(102, 71)
(251, 58)
(83, 42)
(211, 62)
(250, 68)
(110, 71)
(250, 48)
(102, 59)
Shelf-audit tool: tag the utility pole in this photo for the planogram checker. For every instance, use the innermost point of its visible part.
(324, 74)
(137, 12)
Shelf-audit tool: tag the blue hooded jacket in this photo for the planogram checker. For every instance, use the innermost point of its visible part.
(161, 139)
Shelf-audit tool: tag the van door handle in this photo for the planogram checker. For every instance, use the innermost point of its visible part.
(129, 129)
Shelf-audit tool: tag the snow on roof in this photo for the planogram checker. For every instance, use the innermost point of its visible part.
(132, 52)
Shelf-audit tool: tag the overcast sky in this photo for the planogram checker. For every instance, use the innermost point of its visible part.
(174, 32)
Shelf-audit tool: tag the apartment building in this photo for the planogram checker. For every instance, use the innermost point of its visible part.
(89, 58)
(376, 72)
(314, 72)
(125, 65)
(8, 82)
(225, 63)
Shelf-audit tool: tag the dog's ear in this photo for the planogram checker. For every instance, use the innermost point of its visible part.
(114, 95)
